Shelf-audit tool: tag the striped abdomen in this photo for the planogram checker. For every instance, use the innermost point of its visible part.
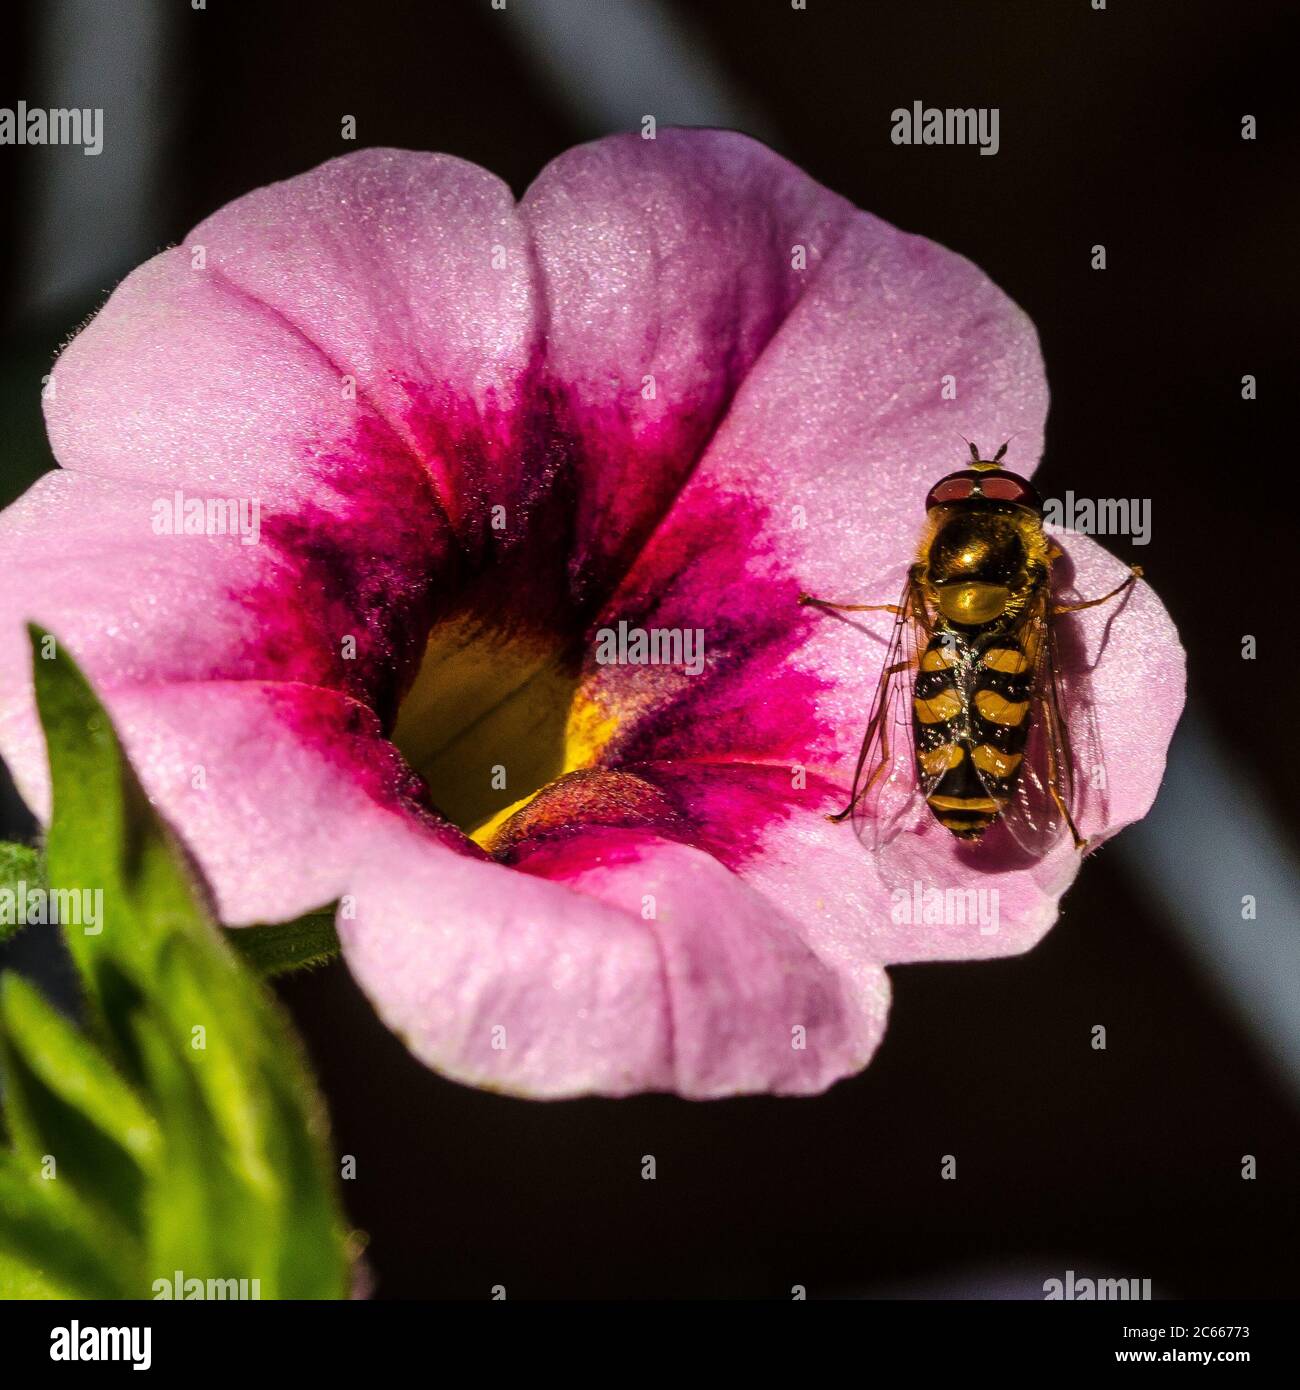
(970, 715)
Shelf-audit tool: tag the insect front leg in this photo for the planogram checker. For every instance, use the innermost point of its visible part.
(805, 599)
(909, 601)
(1134, 576)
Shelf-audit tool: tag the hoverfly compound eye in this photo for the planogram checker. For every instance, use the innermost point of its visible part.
(1006, 487)
(955, 489)
(985, 484)
(1010, 487)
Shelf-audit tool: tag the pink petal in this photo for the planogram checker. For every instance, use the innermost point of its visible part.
(666, 268)
(714, 994)
(377, 265)
(133, 605)
(673, 257)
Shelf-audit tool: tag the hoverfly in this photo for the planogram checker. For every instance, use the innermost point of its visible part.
(971, 673)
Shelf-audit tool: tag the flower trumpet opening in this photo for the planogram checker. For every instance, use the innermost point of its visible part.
(491, 720)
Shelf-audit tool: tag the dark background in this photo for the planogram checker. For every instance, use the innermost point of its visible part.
(1121, 127)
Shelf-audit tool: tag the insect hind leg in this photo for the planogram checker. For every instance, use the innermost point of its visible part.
(1056, 774)
(840, 816)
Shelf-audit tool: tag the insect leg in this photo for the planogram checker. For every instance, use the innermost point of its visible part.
(885, 754)
(805, 599)
(1105, 598)
(1056, 733)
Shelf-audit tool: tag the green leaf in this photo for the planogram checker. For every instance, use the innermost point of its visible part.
(44, 1233)
(306, 942)
(21, 868)
(21, 1280)
(72, 1068)
(187, 1130)
(202, 1218)
(72, 1118)
(106, 851)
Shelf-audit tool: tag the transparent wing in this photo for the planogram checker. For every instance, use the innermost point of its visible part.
(1035, 814)
(888, 796)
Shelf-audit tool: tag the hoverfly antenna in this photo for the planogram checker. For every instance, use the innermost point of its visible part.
(974, 450)
(997, 458)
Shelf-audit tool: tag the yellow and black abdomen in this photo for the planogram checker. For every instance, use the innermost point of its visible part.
(970, 718)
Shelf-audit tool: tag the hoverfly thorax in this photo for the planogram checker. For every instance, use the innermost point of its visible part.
(983, 553)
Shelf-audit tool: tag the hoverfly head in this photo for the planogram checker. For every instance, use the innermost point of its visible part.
(984, 482)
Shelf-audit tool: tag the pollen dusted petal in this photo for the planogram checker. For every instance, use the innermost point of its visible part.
(581, 801)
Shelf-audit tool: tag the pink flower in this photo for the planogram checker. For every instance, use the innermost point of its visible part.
(674, 386)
